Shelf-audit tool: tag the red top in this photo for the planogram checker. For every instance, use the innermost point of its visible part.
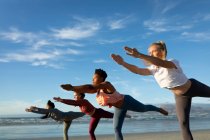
(85, 106)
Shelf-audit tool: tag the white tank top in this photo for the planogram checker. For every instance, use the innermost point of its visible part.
(169, 78)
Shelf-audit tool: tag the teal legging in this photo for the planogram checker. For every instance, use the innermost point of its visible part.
(129, 104)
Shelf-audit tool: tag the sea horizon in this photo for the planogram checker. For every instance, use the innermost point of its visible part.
(34, 127)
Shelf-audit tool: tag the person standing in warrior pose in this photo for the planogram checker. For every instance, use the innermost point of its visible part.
(52, 112)
(169, 75)
(107, 95)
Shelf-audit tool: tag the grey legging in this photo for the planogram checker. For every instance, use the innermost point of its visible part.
(183, 105)
(129, 104)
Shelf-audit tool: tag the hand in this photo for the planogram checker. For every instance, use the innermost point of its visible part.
(68, 87)
(132, 52)
(58, 99)
(27, 110)
(33, 108)
(117, 58)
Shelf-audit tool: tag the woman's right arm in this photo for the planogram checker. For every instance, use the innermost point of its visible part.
(37, 110)
(67, 101)
(130, 67)
(80, 89)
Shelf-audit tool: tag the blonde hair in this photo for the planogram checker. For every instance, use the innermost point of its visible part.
(161, 45)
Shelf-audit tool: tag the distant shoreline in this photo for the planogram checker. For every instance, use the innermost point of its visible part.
(175, 135)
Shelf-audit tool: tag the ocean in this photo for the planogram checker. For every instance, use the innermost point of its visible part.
(33, 127)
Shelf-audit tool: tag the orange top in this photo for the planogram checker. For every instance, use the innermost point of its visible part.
(105, 99)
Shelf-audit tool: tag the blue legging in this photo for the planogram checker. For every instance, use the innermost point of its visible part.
(129, 104)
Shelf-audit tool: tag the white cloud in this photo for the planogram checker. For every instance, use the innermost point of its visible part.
(40, 43)
(165, 25)
(18, 36)
(40, 58)
(168, 6)
(4, 60)
(29, 57)
(84, 29)
(111, 41)
(99, 61)
(196, 36)
(39, 63)
(119, 23)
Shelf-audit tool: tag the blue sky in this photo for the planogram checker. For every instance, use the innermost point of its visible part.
(47, 43)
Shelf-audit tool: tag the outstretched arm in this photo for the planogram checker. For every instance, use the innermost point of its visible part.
(149, 59)
(37, 110)
(130, 67)
(89, 88)
(67, 101)
(79, 89)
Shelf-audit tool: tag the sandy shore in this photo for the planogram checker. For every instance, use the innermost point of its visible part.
(198, 135)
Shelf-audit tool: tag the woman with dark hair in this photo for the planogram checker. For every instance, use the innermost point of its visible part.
(107, 95)
(52, 112)
(86, 107)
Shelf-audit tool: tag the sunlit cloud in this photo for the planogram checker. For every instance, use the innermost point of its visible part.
(111, 41)
(4, 60)
(164, 7)
(18, 36)
(100, 61)
(40, 58)
(196, 36)
(84, 29)
(165, 25)
(119, 23)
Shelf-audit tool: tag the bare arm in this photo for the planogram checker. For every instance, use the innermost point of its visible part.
(130, 67)
(89, 88)
(67, 101)
(37, 110)
(79, 89)
(150, 59)
(106, 86)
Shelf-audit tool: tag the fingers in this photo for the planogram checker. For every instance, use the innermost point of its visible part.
(129, 54)
(128, 49)
(62, 86)
(57, 98)
(114, 56)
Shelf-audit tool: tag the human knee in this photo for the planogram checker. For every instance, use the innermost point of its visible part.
(117, 130)
(183, 123)
(91, 131)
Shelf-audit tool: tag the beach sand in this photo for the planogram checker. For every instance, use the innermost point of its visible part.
(198, 135)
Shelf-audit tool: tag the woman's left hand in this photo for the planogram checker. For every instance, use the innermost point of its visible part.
(132, 52)
(58, 99)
